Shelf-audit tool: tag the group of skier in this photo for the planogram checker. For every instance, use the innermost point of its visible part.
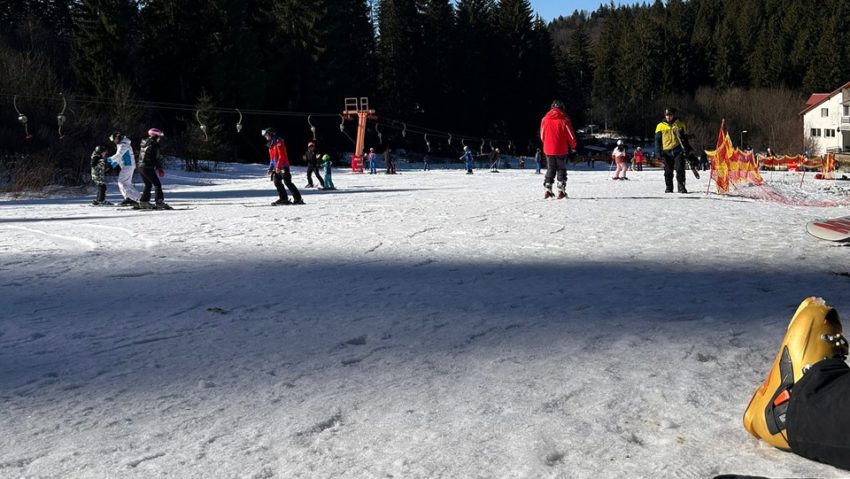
(559, 143)
(124, 159)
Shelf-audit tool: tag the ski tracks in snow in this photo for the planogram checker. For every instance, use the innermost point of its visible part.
(85, 239)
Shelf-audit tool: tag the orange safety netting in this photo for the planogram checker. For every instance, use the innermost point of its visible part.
(795, 163)
(730, 166)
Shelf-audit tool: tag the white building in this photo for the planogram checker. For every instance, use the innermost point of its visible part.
(826, 121)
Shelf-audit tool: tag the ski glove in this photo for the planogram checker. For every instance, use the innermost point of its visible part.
(160, 172)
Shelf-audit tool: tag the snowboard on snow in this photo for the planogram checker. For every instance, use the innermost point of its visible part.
(836, 229)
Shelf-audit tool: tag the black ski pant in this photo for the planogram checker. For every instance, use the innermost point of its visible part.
(674, 160)
(101, 193)
(818, 417)
(285, 178)
(314, 169)
(555, 165)
(151, 180)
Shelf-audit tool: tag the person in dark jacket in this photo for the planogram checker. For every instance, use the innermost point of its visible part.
(150, 169)
(279, 169)
(312, 165)
(672, 147)
(559, 141)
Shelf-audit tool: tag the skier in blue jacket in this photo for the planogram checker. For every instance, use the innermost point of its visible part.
(467, 158)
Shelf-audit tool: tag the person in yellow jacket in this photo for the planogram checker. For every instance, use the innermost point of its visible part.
(672, 148)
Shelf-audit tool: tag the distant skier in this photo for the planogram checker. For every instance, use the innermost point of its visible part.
(468, 158)
(639, 159)
(559, 141)
(388, 158)
(150, 168)
(538, 158)
(126, 160)
(328, 165)
(312, 165)
(672, 147)
(619, 157)
(495, 158)
(279, 169)
(373, 159)
(98, 175)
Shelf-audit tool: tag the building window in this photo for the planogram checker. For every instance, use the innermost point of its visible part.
(829, 133)
(824, 112)
(846, 110)
(815, 132)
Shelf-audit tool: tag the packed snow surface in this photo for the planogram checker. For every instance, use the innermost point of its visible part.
(421, 325)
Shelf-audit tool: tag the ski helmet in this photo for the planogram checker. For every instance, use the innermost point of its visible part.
(99, 149)
(155, 132)
(558, 104)
(311, 145)
(326, 157)
(268, 132)
(619, 142)
(670, 111)
(116, 136)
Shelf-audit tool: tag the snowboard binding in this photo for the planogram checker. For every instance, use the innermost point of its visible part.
(814, 334)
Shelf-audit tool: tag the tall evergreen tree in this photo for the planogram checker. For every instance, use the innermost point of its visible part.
(399, 45)
(438, 61)
(514, 78)
(346, 63)
(475, 20)
(103, 44)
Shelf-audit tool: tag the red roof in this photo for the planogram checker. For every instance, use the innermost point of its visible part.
(818, 98)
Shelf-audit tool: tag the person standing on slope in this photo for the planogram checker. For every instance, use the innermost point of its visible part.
(672, 147)
(126, 160)
(468, 159)
(312, 165)
(279, 169)
(620, 158)
(559, 141)
(150, 168)
(328, 165)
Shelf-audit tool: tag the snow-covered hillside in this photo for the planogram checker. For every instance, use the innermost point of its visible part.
(421, 325)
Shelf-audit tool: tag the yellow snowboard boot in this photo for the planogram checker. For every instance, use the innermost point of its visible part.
(813, 334)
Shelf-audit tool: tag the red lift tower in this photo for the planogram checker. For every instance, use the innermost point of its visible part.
(358, 107)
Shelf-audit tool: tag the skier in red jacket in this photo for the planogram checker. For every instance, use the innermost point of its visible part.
(559, 141)
(279, 169)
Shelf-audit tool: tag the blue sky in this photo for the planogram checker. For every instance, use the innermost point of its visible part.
(550, 9)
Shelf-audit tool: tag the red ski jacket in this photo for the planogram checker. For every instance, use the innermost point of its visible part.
(277, 154)
(556, 132)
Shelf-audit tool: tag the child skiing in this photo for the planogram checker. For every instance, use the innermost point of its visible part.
(619, 157)
(98, 176)
(326, 162)
(124, 159)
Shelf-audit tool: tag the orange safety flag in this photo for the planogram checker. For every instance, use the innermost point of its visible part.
(730, 165)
